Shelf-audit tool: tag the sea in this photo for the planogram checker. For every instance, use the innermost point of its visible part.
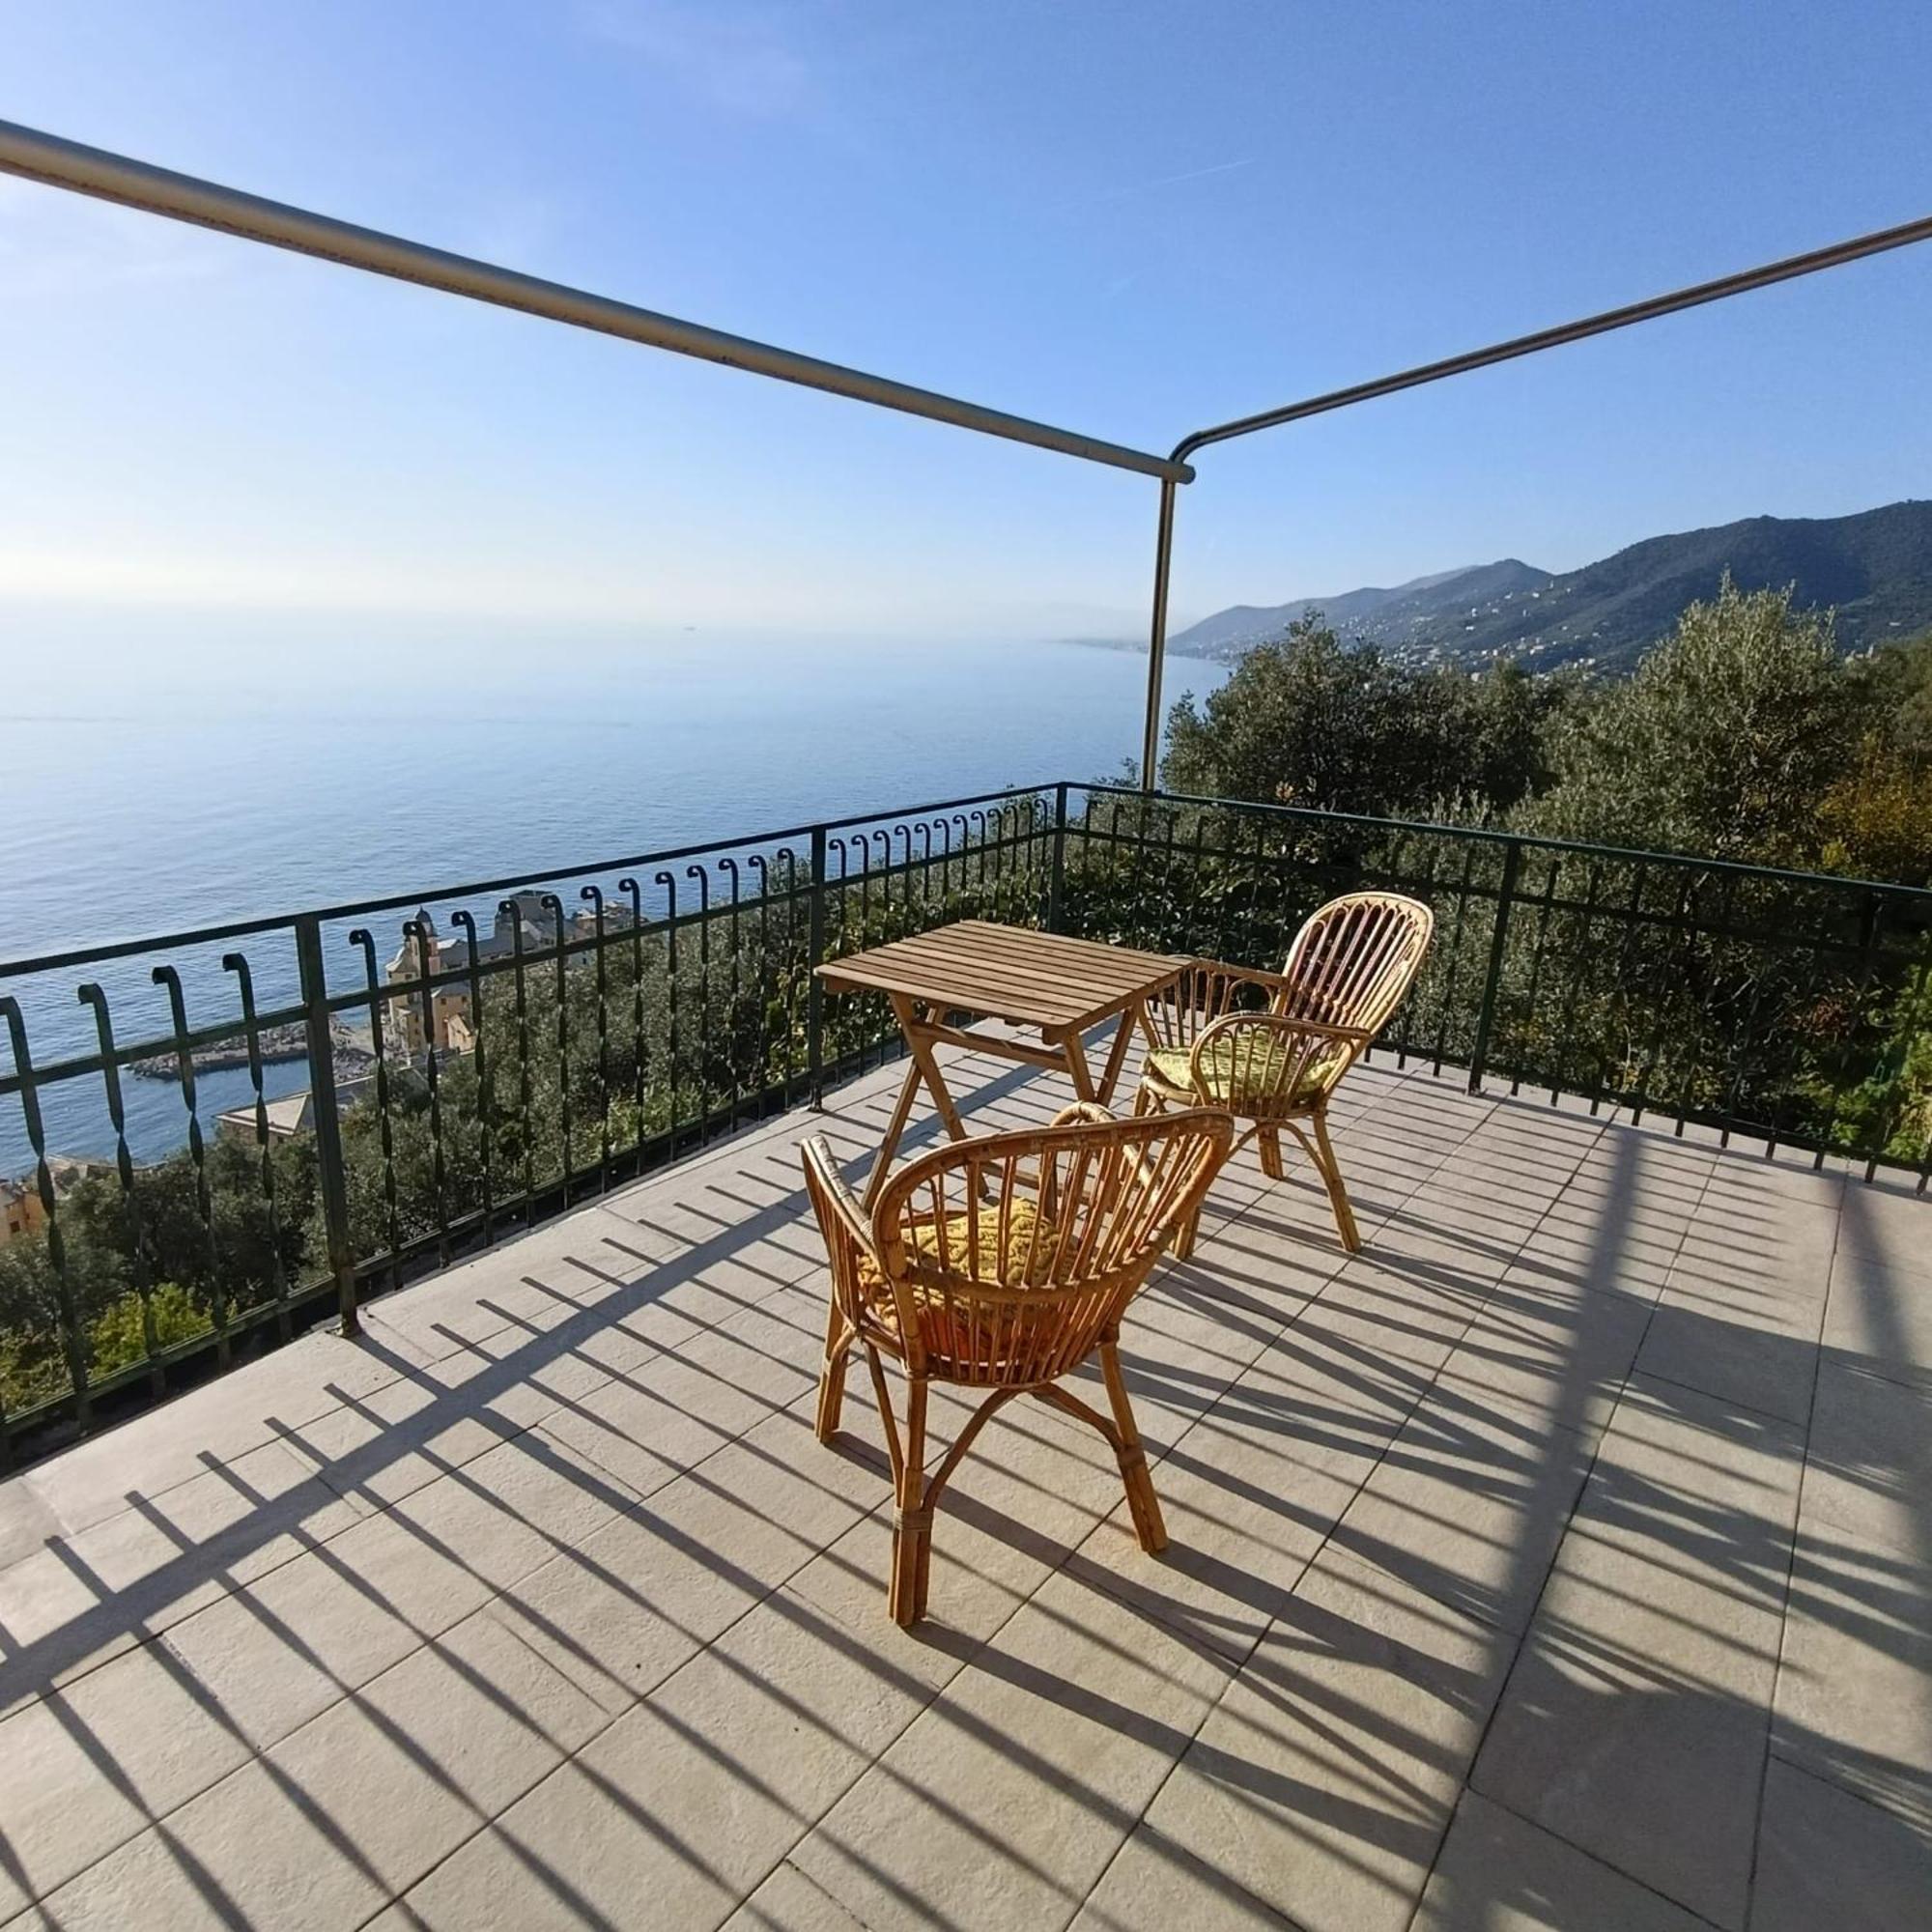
(149, 789)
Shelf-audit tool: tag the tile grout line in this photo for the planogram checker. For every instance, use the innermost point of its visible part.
(434, 1640)
(1602, 1864)
(368, 1509)
(1791, 1559)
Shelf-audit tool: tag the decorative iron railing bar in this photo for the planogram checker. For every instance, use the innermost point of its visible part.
(693, 1135)
(1640, 919)
(1120, 818)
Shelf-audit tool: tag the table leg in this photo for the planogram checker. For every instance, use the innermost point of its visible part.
(882, 1161)
(920, 1043)
(925, 1068)
(1075, 1050)
(1135, 1015)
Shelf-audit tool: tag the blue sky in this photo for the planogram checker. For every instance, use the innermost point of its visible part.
(1131, 219)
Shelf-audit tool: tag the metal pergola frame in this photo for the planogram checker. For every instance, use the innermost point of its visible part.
(56, 162)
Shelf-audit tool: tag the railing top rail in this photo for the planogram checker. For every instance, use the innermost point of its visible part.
(121, 949)
(1843, 882)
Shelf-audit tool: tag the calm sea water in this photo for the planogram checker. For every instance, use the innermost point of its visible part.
(144, 798)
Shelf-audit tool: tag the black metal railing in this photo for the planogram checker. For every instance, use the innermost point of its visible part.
(228, 1134)
(1792, 1007)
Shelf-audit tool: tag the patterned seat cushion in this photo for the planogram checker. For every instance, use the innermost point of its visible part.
(1026, 1263)
(1240, 1073)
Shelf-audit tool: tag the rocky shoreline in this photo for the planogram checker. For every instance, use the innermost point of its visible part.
(276, 1044)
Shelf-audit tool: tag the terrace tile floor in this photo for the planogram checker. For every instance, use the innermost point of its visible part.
(1564, 1560)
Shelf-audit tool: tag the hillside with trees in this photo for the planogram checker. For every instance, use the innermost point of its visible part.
(1748, 735)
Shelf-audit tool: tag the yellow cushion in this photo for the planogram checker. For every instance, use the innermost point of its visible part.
(1026, 1263)
(1239, 1073)
(1028, 1260)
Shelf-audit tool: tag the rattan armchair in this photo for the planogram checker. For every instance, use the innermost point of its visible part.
(1002, 1263)
(1272, 1047)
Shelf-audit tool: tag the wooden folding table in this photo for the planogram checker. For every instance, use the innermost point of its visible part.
(983, 970)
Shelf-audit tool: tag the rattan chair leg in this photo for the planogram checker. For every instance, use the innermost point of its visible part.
(1267, 1144)
(1331, 1176)
(831, 1373)
(912, 1518)
(1143, 1505)
(1183, 1239)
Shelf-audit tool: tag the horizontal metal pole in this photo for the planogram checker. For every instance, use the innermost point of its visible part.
(1792, 266)
(108, 177)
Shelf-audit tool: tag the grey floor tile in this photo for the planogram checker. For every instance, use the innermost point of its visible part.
(1004, 1803)
(96, 1762)
(1468, 1504)
(1156, 1885)
(283, 1649)
(679, 1810)
(788, 1901)
(1854, 1683)
(1868, 1475)
(1633, 1724)
(1500, 1873)
(1880, 1316)
(1323, 1782)
(1827, 1858)
(426, 1754)
(251, 1851)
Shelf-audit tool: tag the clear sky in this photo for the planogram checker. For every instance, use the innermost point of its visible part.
(1132, 219)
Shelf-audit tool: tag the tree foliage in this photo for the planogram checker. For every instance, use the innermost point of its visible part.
(1309, 721)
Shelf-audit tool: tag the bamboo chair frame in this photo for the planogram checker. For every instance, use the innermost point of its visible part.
(1002, 1263)
(1272, 1047)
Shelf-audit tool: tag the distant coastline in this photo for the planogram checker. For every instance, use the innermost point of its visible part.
(1134, 647)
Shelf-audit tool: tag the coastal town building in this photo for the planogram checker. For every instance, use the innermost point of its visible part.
(289, 1115)
(21, 1209)
(425, 953)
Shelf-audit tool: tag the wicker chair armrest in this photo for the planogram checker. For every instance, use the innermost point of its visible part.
(1254, 976)
(1203, 991)
(1287, 1026)
(1292, 1049)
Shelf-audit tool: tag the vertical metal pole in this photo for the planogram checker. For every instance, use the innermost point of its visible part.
(1479, 1053)
(332, 1172)
(815, 997)
(1157, 640)
(1057, 878)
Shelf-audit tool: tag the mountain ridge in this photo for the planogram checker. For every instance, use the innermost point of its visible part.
(1873, 566)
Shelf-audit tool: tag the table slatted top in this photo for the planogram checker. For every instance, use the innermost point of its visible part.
(1007, 972)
